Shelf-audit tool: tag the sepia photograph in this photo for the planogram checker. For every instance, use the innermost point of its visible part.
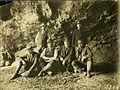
(59, 45)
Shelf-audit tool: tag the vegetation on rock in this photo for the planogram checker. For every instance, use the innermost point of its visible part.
(98, 20)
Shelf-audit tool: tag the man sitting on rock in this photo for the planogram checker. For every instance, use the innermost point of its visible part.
(67, 54)
(83, 55)
(29, 61)
(49, 57)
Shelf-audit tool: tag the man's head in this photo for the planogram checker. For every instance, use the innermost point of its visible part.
(66, 42)
(42, 26)
(78, 25)
(49, 43)
(80, 43)
(42, 29)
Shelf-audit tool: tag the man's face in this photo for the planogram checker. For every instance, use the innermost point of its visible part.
(80, 45)
(42, 28)
(78, 26)
(31, 50)
(49, 45)
(66, 43)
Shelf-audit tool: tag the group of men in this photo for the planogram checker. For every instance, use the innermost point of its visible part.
(74, 59)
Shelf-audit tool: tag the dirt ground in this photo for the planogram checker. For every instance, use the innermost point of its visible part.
(60, 81)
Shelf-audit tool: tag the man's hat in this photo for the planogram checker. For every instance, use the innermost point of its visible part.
(80, 42)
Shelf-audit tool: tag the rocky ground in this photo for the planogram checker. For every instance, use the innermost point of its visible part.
(60, 81)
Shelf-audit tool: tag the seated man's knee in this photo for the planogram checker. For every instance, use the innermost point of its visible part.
(18, 59)
(52, 62)
(89, 59)
(73, 63)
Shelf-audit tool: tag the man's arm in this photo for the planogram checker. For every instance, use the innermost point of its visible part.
(37, 37)
(9, 56)
(77, 53)
(22, 53)
(43, 55)
(49, 58)
(69, 55)
(89, 53)
(61, 53)
(55, 55)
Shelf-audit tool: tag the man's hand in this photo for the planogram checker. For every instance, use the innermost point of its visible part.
(83, 58)
(78, 59)
(51, 59)
(63, 62)
(25, 74)
(61, 59)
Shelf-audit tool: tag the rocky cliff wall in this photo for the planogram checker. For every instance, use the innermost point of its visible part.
(98, 21)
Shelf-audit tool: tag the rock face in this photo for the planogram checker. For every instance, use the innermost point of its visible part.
(98, 20)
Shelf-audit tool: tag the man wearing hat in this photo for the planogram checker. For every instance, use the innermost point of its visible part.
(29, 61)
(67, 54)
(83, 55)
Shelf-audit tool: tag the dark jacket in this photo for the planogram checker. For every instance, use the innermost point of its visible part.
(80, 52)
(67, 54)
